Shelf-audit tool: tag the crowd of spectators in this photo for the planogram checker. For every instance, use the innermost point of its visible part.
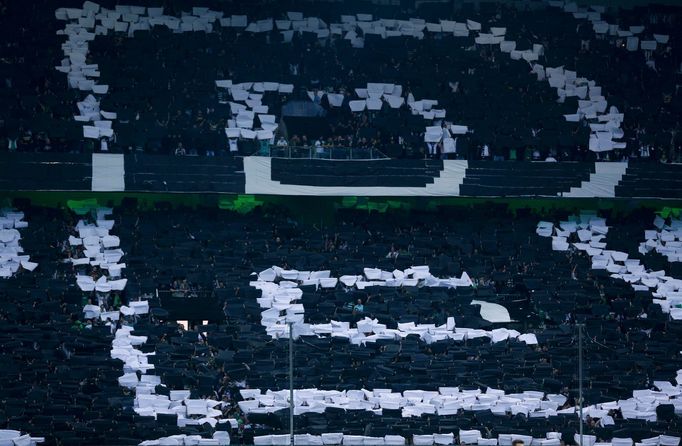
(546, 292)
(162, 84)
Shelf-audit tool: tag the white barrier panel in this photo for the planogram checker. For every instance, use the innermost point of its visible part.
(108, 172)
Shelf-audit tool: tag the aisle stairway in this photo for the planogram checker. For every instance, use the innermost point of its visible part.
(602, 182)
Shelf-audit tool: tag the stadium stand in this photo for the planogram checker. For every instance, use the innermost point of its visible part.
(215, 252)
(506, 104)
(363, 222)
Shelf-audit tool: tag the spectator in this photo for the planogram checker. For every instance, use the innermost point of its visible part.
(180, 150)
(644, 152)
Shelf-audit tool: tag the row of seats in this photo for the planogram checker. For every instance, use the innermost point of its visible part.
(526, 179)
(155, 173)
(387, 173)
(20, 171)
(651, 180)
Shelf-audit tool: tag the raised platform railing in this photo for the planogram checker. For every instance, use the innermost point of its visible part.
(324, 152)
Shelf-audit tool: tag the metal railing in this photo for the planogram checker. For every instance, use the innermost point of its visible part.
(326, 152)
(187, 294)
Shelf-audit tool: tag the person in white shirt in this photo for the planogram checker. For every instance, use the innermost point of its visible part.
(319, 148)
(281, 142)
(644, 151)
(485, 152)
